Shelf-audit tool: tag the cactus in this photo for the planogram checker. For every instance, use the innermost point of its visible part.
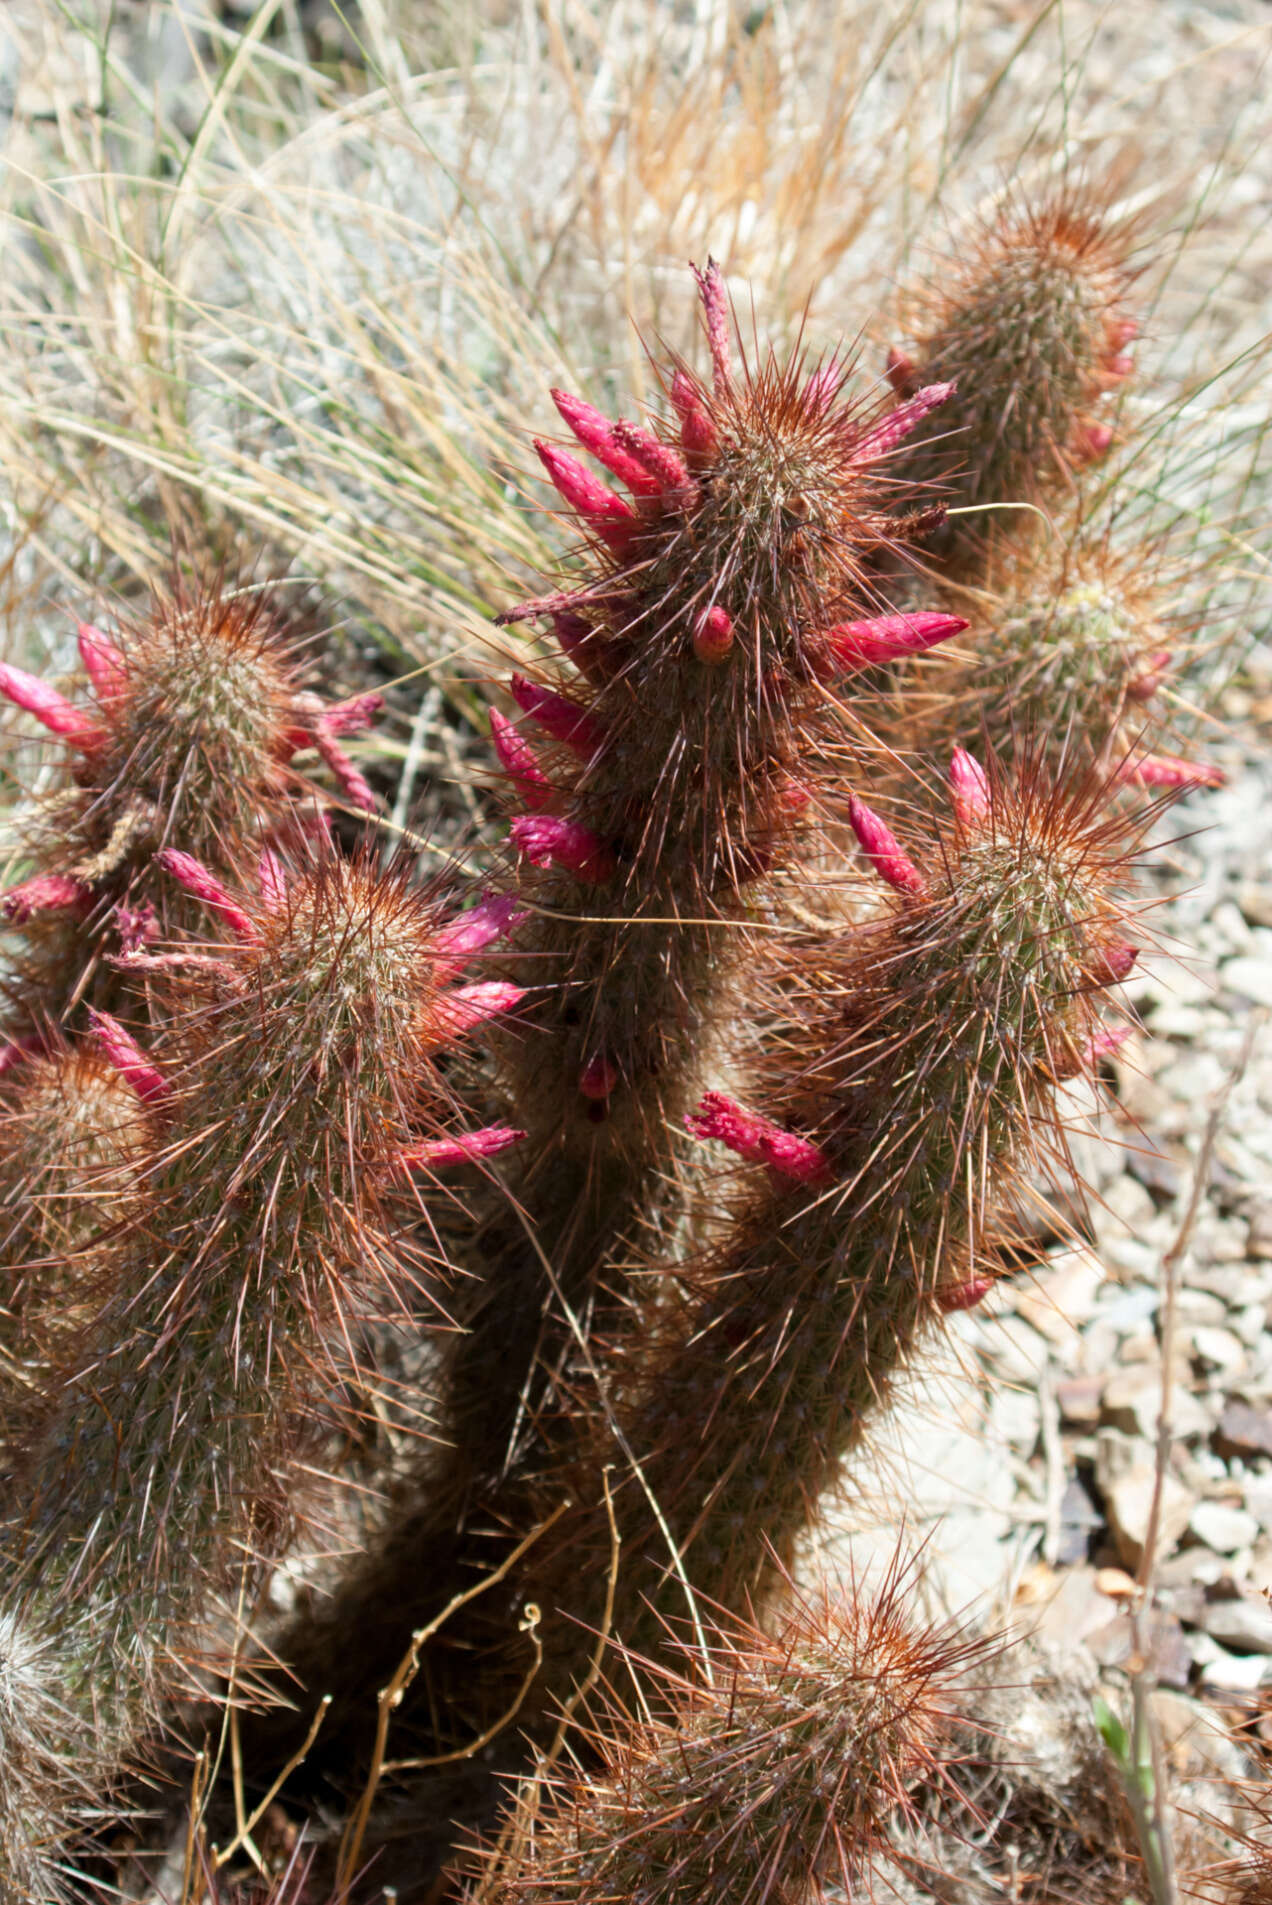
(776, 1765)
(183, 737)
(1075, 653)
(1031, 318)
(295, 1090)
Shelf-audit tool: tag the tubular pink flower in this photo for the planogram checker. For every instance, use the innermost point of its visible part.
(124, 1053)
(964, 1296)
(346, 717)
(1154, 670)
(713, 635)
(715, 305)
(437, 1153)
(1167, 770)
(103, 663)
(698, 436)
(272, 881)
(757, 1139)
(598, 1078)
(204, 885)
(548, 841)
(969, 788)
(884, 854)
(519, 762)
(601, 509)
(459, 1011)
(597, 434)
(44, 893)
(884, 637)
(559, 717)
(901, 373)
(897, 425)
(54, 710)
(668, 470)
(355, 789)
(462, 938)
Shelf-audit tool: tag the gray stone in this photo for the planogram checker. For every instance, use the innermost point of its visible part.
(1129, 1503)
(1243, 1431)
(1019, 1353)
(1218, 1349)
(1132, 1401)
(1252, 978)
(1259, 1237)
(1230, 1673)
(1223, 1528)
(1063, 1294)
(1244, 1626)
(1078, 1399)
(1256, 1496)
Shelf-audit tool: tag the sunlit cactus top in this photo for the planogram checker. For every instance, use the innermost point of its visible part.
(731, 580)
(181, 735)
(1031, 318)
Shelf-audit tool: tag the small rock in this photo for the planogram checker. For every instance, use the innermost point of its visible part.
(1244, 1626)
(1222, 1528)
(1218, 1349)
(1127, 1309)
(1018, 1351)
(1016, 1416)
(1201, 1074)
(1259, 1237)
(1251, 978)
(1078, 1399)
(1079, 1517)
(1132, 1401)
(1063, 1294)
(1257, 1498)
(1155, 1169)
(1250, 1324)
(1074, 1611)
(1116, 1584)
(1243, 1431)
(1191, 1567)
(1231, 1673)
(1116, 1455)
(1200, 1309)
(1129, 1503)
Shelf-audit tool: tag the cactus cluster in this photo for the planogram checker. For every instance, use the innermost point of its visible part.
(703, 1186)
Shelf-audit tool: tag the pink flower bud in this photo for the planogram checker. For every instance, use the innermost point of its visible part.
(547, 841)
(103, 663)
(355, 789)
(757, 1139)
(713, 635)
(44, 893)
(901, 373)
(567, 723)
(519, 762)
(597, 434)
(137, 927)
(1153, 671)
(586, 647)
(659, 459)
(598, 1078)
(1121, 332)
(1118, 367)
(271, 878)
(1167, 770)
(459, 1011)
(346, 717)
(698, 435)
(969, 788)
(53, 709)
(437, 1153)
(462, 938)
(964, 1296)
(1090, 441)
(124, 1053)
(715, 309)
(881, 849)
(602, 511)
(885, 637)
(1110, 964)
(897, 425)
(204, 885)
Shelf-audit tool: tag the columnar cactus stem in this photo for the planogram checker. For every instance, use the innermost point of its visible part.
(1031, 320)
(296, 1075)
(192, 715)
